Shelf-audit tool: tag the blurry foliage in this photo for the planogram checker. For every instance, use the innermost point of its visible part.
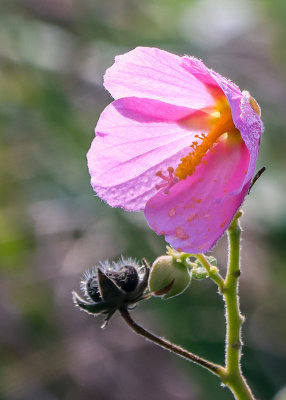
(52, 58)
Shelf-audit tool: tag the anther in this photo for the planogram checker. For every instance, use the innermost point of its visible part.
(201, 136)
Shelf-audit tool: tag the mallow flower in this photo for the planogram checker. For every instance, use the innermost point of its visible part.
(179, 142)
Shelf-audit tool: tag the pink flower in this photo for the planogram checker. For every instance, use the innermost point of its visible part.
(179, 142)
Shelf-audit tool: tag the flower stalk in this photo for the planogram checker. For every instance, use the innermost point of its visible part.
(212, 271)
(214, 368)
(233, 376)
(117, 286)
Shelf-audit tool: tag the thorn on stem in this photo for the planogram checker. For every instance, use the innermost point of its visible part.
(236, 345)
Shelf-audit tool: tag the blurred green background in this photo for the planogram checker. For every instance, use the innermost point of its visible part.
(53, 55)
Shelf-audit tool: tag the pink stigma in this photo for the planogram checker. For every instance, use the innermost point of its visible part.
(170, 180)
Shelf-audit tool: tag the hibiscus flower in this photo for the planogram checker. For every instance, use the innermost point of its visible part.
(179, 142)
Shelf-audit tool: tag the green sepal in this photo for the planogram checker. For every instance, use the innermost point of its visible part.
(168, 278)
(212, 261)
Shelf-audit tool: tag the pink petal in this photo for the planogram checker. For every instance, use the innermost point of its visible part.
(197, 210)
(156, 74)
(244, 115)
(198, 69)
(251, 128)
(245, 119)
(135, 138)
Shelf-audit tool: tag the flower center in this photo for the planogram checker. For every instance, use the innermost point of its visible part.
(223, 124)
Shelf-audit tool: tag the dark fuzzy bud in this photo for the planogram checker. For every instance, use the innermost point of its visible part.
(112, 286)
(127, 278)
(92, 289)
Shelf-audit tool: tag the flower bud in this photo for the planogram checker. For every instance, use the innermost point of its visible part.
(168, 277)
(212, 260)
(199, 273)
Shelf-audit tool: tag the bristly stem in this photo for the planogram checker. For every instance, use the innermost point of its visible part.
(214, 368)
(233, 376)
(230, 375)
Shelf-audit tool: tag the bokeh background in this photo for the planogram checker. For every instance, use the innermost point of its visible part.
(53, 54)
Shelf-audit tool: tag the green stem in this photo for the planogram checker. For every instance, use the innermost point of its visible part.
(213, 272)
(233, 376)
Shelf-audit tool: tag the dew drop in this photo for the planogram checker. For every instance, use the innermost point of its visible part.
(145, 179)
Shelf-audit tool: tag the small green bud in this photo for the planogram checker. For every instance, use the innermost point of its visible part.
(199, 273)
(168, 277)
(212, 261)
(214, 270)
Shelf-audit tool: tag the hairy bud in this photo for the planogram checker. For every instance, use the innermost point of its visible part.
(168, 277)
(112, 286)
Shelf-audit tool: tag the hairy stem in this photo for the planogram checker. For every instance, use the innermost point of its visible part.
(214, 368)
(233, 376)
